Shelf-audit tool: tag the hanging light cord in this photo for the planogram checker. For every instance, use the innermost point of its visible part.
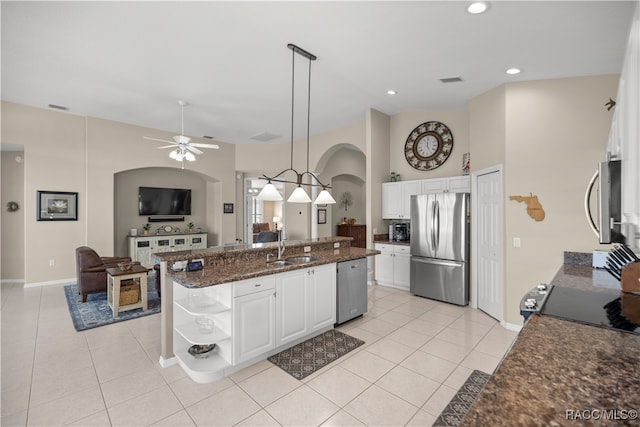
(311, 57)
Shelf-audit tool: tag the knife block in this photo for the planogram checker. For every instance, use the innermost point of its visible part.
(630, 277)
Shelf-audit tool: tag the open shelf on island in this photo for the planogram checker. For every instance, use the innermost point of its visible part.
(190, 332)
(214, 308)
(200, 370)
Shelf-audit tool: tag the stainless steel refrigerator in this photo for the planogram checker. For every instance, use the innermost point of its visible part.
(440, 247)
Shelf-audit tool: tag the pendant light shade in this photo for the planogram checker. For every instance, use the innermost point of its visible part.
(324, 198)
(269, 193)
(299, 196)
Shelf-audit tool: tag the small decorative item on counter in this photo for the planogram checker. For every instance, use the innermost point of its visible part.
(190, 227)
(344, 220)
(127, 265)
(393, 177)
(205, 324)
(352, 221)
(146, 228)
(398, 177)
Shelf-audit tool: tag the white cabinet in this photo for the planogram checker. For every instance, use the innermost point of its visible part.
(305, 302)
(453, 184)
(396, 198)
(141, 248)
(393, 265)
(198, 241)
(254, 317)
(191, 304)
(322, 297)
(291, 306)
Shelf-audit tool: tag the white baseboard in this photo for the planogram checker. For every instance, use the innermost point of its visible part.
(511, 326)
(12, 282)
(51, 282)
(165, 363)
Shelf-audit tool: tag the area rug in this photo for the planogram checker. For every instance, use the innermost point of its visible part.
(96, 311)
(307, 357)
(458, 407)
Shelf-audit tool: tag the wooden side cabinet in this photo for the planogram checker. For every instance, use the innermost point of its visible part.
(357, 231)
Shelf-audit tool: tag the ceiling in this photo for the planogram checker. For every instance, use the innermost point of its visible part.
(132, 61)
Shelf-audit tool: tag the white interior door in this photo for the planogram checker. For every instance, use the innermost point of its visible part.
(489, 243)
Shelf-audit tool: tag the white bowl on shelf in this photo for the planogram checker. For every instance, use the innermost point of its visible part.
(205, 325)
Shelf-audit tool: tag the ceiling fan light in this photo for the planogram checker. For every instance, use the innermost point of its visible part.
(324, 198)
(189, 156)
(299, 196)
(173, 154)
(270, 193)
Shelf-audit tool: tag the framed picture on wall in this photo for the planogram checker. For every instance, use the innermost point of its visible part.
(228, 208)
(57, 206)
(322, 216)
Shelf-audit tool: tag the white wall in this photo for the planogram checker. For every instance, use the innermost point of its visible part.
(65, 152)
(12, 190)
(551, 137)
(126, 201)
(401, 126)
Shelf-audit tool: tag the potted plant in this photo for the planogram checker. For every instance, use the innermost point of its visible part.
(146, 228)
(190, 227)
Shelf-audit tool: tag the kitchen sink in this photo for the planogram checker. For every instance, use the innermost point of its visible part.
(301, 259)
(279, 263)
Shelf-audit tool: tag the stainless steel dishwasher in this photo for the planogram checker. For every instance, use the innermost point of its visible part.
(351, 292)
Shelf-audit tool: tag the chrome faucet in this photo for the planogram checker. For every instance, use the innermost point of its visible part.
(281, 245)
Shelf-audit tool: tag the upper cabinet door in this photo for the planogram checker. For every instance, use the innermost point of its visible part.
(392, 200)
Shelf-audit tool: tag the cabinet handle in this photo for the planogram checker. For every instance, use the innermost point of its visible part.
(257, 285)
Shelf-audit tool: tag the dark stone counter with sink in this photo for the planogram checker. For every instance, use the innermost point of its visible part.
(565, 373)
(226, 264)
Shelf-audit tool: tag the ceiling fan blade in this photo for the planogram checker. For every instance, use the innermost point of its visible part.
(156, 139)
(193, 149)
(197, 144)
(168, 146)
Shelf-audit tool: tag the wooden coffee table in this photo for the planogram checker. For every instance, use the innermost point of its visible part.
(115, 276)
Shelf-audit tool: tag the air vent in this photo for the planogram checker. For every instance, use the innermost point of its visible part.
(265, 137)
(207, 137)
(58, 107)
(451, 80)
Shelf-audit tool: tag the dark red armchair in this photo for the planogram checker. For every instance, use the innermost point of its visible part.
(91, 270)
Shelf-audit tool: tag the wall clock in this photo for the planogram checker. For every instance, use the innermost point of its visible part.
(428, 146)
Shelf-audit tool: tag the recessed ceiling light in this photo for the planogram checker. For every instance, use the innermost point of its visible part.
(513, 71)
(477, 7)
(391, 92)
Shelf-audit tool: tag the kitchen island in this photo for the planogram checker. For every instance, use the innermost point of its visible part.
(252, 303)
(560, 372)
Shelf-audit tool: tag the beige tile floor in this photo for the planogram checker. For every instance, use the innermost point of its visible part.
(418, 352)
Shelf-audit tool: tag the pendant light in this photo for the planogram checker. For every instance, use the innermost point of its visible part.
(299, 195)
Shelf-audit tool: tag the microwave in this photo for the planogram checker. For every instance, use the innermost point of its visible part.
(400, 232)
(608, 225)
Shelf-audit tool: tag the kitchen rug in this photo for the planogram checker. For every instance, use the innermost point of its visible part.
(458, 407)
(96, 311)
(307, 357)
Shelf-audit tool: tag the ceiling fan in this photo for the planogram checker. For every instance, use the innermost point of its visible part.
(184, 149)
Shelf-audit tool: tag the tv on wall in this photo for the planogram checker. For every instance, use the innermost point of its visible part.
(164, 201)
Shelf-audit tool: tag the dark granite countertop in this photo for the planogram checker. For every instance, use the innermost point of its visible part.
(242, 268)
(558, 366)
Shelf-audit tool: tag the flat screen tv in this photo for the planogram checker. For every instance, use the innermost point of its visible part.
(164, 201)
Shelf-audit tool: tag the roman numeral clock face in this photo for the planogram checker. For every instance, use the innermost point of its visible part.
(428, 146)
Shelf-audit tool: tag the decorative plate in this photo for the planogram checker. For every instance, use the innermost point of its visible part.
(428, 146)
(167, 228)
